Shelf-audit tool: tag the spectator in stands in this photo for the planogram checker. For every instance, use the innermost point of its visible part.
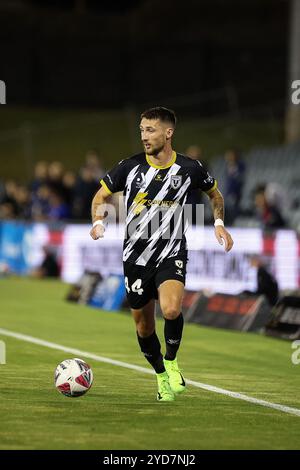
(23, 201)
(40, 203)
(8, 203)
(195, 196)
(69, 182)
(7, 211)
(2, 190)
(266, 283)
(40, 176)
(58, 208)
(269, 215)
(85, 190)
(55, 176)
(234, 182)
(10, 188)
(93, 163)
(194, 152)
(277, 196)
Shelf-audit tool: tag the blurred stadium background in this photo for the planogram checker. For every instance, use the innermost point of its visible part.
(78, 73)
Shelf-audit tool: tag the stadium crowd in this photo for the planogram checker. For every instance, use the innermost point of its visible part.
(58, 194)
(54, 193)
(266, 198)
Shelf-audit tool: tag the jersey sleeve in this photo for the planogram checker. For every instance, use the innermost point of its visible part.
(201, 179)
(114, 181)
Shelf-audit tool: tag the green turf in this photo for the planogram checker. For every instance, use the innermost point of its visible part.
(120, 411)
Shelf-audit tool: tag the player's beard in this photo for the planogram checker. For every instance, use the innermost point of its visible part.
(154, 149)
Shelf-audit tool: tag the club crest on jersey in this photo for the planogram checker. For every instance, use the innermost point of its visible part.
(176, 181)
(179, 263)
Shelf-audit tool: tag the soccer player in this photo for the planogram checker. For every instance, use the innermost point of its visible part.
(155, 184)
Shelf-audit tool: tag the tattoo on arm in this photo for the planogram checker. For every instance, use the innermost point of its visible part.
(217, 203)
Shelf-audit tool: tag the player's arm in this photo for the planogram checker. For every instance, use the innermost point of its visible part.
(112, 182)
(98, 213)
(217, 204)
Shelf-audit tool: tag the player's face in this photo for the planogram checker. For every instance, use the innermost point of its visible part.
(154, 135)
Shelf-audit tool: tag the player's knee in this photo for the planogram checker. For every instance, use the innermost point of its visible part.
(170, 312)
(144, 330)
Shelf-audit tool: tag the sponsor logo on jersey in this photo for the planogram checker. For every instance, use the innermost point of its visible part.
(179, 272)
(176, 181)
(139, 202)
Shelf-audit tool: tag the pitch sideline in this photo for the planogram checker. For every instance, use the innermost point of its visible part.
(210, 388)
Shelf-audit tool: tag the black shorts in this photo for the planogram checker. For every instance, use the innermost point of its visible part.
(142, 282)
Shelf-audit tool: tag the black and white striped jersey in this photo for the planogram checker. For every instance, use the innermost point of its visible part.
(155, 197)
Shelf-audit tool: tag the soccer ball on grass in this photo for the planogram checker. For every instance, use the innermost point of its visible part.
(73, 377)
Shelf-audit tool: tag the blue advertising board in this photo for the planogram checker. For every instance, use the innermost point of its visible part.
(109, 293)
(12, 235)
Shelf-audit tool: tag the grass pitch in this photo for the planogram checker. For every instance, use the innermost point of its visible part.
(120, 411)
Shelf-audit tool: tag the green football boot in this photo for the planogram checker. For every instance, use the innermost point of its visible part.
(164, 390)
(176, 379)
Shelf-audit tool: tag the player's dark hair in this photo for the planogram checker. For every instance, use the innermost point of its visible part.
(161, 113)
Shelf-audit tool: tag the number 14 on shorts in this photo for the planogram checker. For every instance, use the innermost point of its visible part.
(135, 287)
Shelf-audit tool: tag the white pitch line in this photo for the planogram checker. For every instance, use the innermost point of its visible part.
(95, 357)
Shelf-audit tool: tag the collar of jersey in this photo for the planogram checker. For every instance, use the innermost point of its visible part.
(162, 167)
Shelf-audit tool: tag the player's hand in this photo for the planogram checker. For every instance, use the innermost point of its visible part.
(224, 237)
(97, 232)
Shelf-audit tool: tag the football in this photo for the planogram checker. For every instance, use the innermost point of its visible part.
(73, 377)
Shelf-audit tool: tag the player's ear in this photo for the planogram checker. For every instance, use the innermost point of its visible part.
(169, 132)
